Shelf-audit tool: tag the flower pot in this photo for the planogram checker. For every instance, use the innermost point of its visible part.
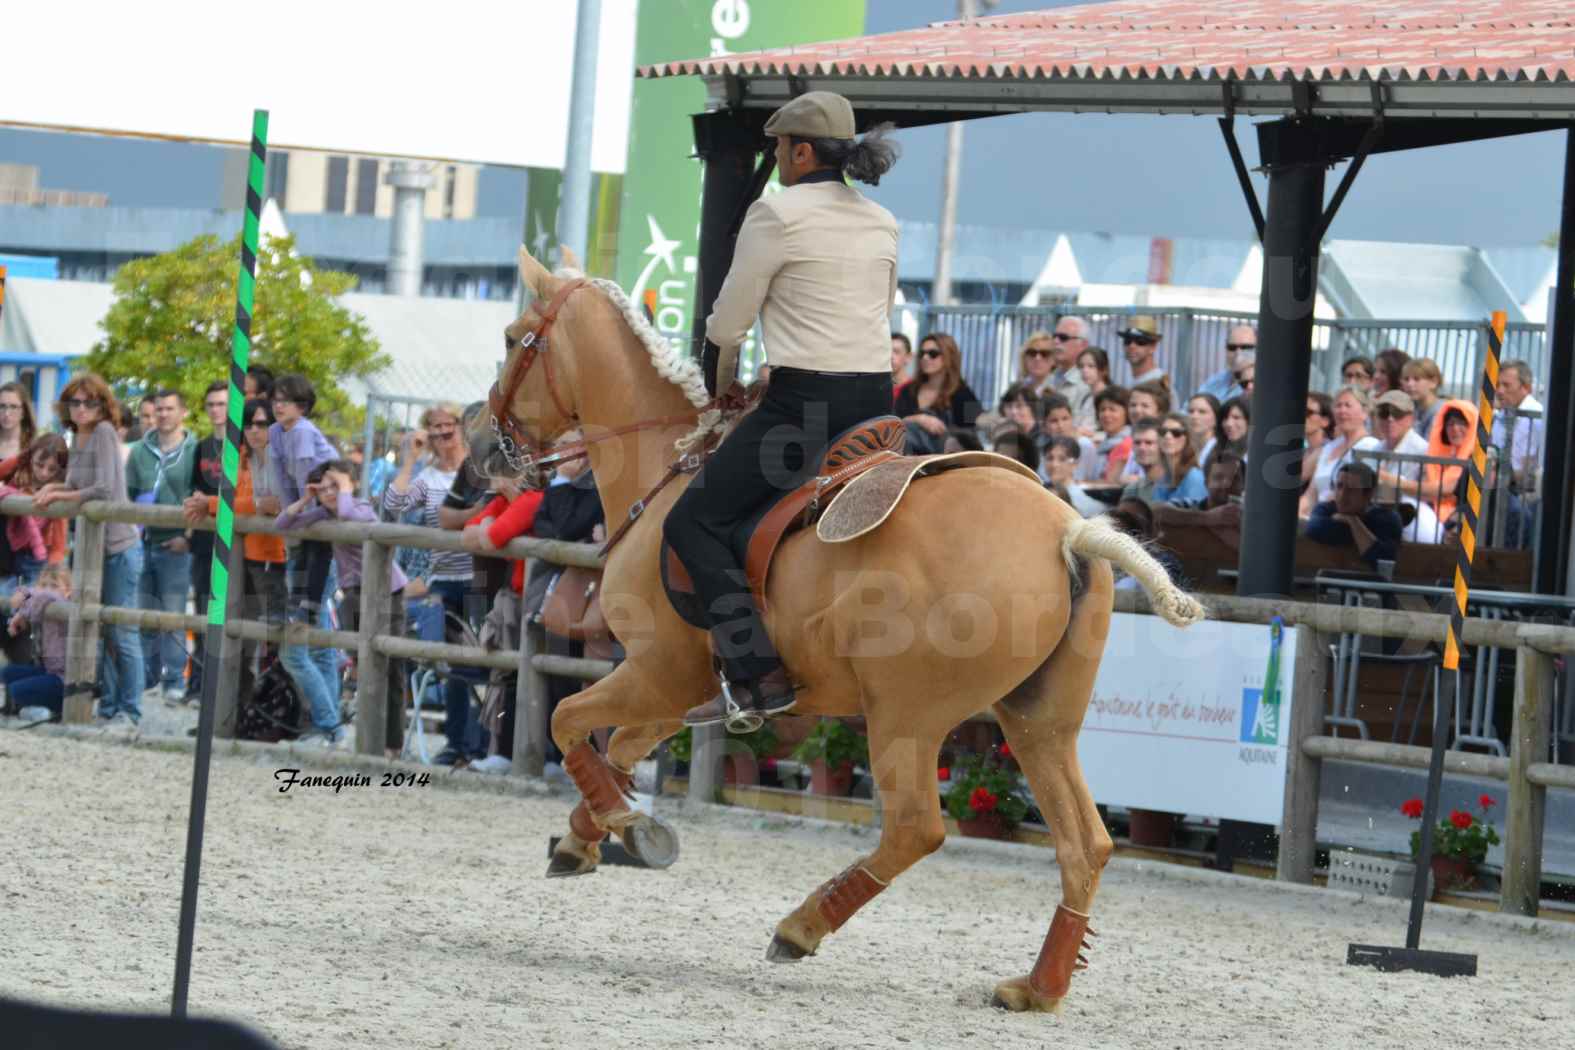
(1152, 827)
(829, 780)
(1453, 873)
(989, 826)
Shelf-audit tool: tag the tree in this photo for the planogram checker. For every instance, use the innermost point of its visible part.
(173, 319)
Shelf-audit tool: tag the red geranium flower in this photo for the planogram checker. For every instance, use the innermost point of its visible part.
(1412, 807)
(1486, 802)
(1006, 750)
(1460, 819)
(982, 801)
(944, 773)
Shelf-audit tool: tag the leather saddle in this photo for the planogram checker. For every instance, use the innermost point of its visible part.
(862, 477)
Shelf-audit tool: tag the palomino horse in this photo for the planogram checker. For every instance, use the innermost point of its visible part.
(980, 591)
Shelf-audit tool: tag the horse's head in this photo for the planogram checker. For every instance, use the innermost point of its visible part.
(533, 401)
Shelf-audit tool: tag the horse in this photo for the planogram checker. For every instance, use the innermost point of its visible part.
(917, 625)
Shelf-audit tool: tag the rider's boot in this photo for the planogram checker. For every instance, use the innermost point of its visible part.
(769, 695)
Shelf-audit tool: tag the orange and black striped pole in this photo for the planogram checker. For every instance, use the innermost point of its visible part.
(1449, 686)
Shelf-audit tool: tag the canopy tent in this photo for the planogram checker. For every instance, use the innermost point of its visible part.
(1340, 82)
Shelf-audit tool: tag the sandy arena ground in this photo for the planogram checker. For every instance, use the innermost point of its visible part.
(418, 917)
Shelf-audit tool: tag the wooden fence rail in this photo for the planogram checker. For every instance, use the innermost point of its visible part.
(1526, 771)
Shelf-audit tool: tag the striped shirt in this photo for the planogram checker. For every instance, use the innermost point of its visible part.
(426, 494)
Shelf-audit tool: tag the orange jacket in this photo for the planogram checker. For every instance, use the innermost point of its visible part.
(1436, 476)
(258, 547)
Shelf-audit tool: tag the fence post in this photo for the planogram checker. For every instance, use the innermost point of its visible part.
(1303, 772)
(1186, 344)
(1526, 811)
(706, 753)
(87, 588)
(371, 669)
(531, 716)
(232, 649)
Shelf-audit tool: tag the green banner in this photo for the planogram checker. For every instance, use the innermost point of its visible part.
(659, 219)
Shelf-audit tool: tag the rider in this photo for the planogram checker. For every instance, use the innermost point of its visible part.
(818, 263)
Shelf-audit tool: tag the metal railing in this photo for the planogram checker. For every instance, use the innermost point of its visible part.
(1193, 347)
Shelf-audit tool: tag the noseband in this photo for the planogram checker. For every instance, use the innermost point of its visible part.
(522, 452)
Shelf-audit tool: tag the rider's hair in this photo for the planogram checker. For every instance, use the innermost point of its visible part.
(865, 159)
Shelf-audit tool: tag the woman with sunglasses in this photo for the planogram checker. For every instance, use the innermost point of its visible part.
(1178, 479)
(89, 411)
(1036, 363)
(450, 573)
(17, 427)
(266, 593)
(938, 397)
(1351, 408)
(1320, 428)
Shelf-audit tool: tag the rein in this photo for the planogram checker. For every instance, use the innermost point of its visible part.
(526, 455)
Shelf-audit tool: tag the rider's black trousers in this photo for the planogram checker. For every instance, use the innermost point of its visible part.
(773, 450)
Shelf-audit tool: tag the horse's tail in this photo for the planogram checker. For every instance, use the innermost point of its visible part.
(1099, 538)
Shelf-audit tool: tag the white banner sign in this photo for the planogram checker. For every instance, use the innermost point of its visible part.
(1180, 720)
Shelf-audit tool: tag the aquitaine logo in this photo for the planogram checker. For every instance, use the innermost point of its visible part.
(1260, 708)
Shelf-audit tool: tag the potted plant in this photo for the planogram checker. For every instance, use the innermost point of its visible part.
(983, 797)
(736, 769)
(1460, 842)
(831, 749)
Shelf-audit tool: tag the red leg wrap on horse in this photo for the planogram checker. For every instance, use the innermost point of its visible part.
(598, 782)
(1052, 973)
(580, 821)
(846, 894)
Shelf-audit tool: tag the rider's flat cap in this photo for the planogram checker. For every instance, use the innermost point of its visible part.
(814, 115)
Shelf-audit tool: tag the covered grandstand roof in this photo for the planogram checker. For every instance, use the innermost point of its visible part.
(1491, 59)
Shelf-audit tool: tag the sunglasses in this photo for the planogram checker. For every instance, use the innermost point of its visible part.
(82, 402)
(1173, 432)
(1237, 347)
(1062, 337)
(1389, 412)
(1137, 340)
(931, 353)
(1037, 353)
(257, 424)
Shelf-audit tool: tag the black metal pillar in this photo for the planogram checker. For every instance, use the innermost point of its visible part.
(1554, 512)
(729, 145)
(1279, 397)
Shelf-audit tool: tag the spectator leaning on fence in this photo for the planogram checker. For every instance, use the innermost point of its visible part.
(1220, 510)
(1351, 519)
(265, 595)
(42, 462)
(1350, 435)
(88, 409)
(1516, 434)
(1222, 385)
(159, 472)
(296, 448)
(331, 495)
(450, 572)
(34, 689)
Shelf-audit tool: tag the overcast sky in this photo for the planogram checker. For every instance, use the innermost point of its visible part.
(1165, 176)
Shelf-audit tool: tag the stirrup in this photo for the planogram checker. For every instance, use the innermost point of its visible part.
(737, 720)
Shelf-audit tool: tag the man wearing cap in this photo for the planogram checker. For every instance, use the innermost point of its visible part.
(1140, 342)
(817, 263)
(1400, 482)
(1241, 337)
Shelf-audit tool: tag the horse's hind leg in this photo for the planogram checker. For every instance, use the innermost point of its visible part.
(1041, 719)
(579, 852)
(903, 761)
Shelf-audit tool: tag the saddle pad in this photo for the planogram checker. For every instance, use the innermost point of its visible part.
(868, 499)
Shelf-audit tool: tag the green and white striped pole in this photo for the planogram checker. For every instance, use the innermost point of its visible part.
(241, 348)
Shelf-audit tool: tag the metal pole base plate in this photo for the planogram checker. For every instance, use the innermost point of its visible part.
(1417, 960)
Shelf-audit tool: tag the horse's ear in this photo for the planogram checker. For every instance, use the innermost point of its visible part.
(567, 259)
(535, 276)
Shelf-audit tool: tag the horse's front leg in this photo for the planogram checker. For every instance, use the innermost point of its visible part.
(579, 852)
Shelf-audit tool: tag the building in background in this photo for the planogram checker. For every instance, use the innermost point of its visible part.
(306, 182)
(19, 184)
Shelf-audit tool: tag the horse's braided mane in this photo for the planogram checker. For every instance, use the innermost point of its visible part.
(670, 360)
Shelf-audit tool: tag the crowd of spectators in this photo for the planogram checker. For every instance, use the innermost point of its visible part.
(290, 470)
(1107, 448)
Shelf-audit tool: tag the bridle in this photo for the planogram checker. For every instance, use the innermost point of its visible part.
(528, 456)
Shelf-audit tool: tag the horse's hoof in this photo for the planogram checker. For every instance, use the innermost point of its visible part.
(567, 865)
(651, 840)
(1017, 996)
(783, 950)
